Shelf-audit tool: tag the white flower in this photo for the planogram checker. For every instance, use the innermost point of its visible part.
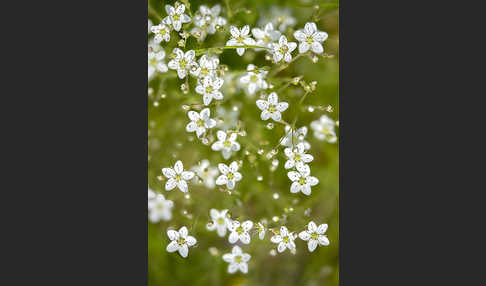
(283, 50)
(271, 107)
(266, 36)
(281, 18)
(151, 194)
(324, 129)
(314, 235)
(183, 62)
(160, 209)
(177, 177)
(209, 88)
(261, 230)
(240, 231)
(237, 260)
(226, 143)
(162, 32)
(255, 79)
(153, 46)
(206, 20)
(302, 181)
(176, 16)
(220, 221)
(240, 38)
(206, 173)
(200, 121)
(295, 137)
(230, 175)
(207, 67)
(180, 241)
(229, 118)
(310, 38)
(156, 63)
(284, 239)
(297, 156)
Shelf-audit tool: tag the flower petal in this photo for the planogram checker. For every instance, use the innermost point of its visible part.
(283, 231)
(170, 184)
(172, 246)
(234, 31)
(190, 240)
(228, 257)
(295, 187)
(245, 238)
(232, 268)
(282, 106)
(233, 237)
(223, 168)
(304, 47)
(262, 104)
(187, 175)
(317, 48)
(273, 98)
(172, 234)
(293, 176)
(300, 36)
(304, 235)
(183, 250)
(243, 267)
(183, 232)
(320, 36)
(310, 28)
(322, 228)
(312, 244)
(221, 135)
(323, 240)
(276, 239)
(277, 116)
(281, 247)
(168, 172)
(265, 115)
(312, 227)
(247, 225)
(222, 180)
(194, 116)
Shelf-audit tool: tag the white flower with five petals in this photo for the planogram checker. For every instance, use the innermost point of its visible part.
(266, 36)
(160, 209)
(209, 88)
(283, 49)
(207, 66)
(177, 177)
(220, 221)
(314, 235)
(295, 137)
(200, 121)
(183, 62)
(176, 16)
(284, 239)
(310, 38)
(180, 241)
(161, 32)
(302, 180)
(207, 20)
(297, 156)
(324, 129)
(226, 144)
(156, 63)
(240, 38)
(229, 175)
(240, 231)
(237, 260)
(206, 173)
(271, 107)
(254, 79)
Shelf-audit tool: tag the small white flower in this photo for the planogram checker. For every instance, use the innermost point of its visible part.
(207, 67)
(271, 107)
(206, 20)
(302, 181)
(295, 137)
(324, 129)
(297, 156)
(161, 32)
(230, 175)
(237, 260)
(176, 16)
(156, 63)
(281, 18)
(206, 173)
(255, 79)
(283, 49)
(261, 231)
(153, 46)
(226, 143)
(266, 36)
(229, 118)
(200, 121)
(180, 241)
(240, 38)
(151, 194)
(160, 209)
(314, 235)
(284, 239)
(310, 38)
(183, 62)
(209, 88)
(177, 177)
(240, 231)
(220, 221)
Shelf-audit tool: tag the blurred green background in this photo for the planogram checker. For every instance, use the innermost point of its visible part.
(253, 199)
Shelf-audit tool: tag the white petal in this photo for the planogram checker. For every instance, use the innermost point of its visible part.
(191, 126)
(282, 106)
(222, 180)
(277, 116)
(218, 145)
(288, 152)
(182, 185)
(245, 30)
(221, 135)
(312, 244)
(226, 154)
(306, 190)
(207, 99)
(238, 176)
(177, 25)
(320, 36)
(317, 47)
(281, 247)
(312, 227)
(303, 47)
(190, 240)
(200, 89)
(180, 9)
(310, 28)
(265, 115)
(233, 167)
(168, 172)
(249, 42)
(172, 234)
(178, 167)
(287, 57)
(246, 257)
(323, 240)
(189, 56)
(210, 123)
(233, 237)
(245, 238)
(223, 168)
(228, 257)
(187, 175)
(221, 230)
(277, 57)
(307, 158)
(300, 36)
(240, 51)
(304, 170)
(293, 176)
(183, 250)
(273, 98)
(205, 113)
(295, 187)
(304, 235)
(234, 31)
(170, 184)
(247, 225)
(194, 116)
(172, 246)
(322, 228)
(284, 231)
(232, 268)
(289, 164)
(214, 214)
(230, 184)
(235, 146)
(181, 73)
(292, 46)
(183, 232)
(244, 267)
(282, 41)
(276, 239)
(312, 180)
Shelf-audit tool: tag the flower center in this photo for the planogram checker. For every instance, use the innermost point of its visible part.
(238, 259)
(253, 78)
(204, 71)
(284, 49)
(231, 176)
(160, 207)
(200, 122)
(153, 62)
(266, 39)
(240, 230)
(314, 235)
(286, 239)
(227, 144)
(220, 220)
(178, 177)
(239, 39)
(209, 89)
(272, 108)
(176, 17)
(326, 130)
(302, 180)
(309, 40)
(181, 241)
(297, 158)
(182, 63)
(163, 31)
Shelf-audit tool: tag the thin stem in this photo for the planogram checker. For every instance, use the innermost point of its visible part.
(286, 65)
(303, 97)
